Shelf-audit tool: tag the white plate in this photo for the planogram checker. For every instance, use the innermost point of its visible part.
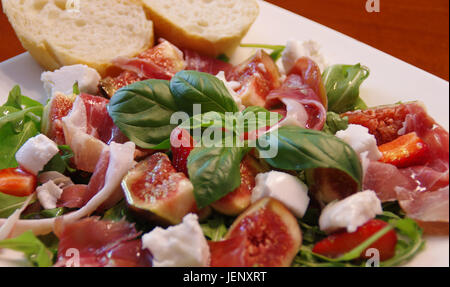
(391, 80)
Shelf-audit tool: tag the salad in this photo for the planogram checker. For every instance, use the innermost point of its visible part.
(179, 159)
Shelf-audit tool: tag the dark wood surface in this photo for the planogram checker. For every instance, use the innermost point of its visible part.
(415, 31)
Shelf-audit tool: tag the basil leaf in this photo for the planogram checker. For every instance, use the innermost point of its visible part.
(33, 248)
(192, 87)
(335, 123)
(143, 110)
(302, 149)
(261, 118)
(9, 204)
(214, 172)
(342, 84)
(12, 141)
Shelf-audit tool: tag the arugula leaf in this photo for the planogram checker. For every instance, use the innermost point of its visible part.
(410, 240)
(46, 213)
(14, 98)
(409, 244)
(143, 110)
(214, 172)
(223, 58)
(215, 227)
(76, 88)
(302, 149)
(192, 87)
(61, 161)
(12, 141)
(32, 247)
(19, 120)
(335, 123)
(277, 49)
(9, 204)
(342, 84)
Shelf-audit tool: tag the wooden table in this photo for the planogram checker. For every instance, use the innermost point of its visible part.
(415, 31)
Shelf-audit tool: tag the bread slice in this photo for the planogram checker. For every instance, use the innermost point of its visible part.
(90, 32)
(211, 27)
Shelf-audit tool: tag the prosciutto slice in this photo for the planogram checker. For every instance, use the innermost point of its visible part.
(121, 161)
(100, 244)
(197, 62)
(422, 191)
(160, 62)
(77, 196)
(300, 97)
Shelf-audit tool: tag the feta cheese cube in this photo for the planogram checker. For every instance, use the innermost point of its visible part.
(62, 80)
(351, 212)
(359, 138)
(183, 245)
(284, 187)
(295, 50)
(48, 194)
(36, 153)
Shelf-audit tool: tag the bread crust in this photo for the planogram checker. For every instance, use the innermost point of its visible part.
(180, 37)
(49, 53)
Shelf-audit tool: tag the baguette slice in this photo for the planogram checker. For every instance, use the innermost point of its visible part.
(93, 33)
(212, 27)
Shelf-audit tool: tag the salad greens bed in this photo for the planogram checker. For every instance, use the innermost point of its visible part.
(143, 112)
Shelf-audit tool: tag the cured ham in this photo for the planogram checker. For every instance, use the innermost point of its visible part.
(197, 62)
(86, 148)
(301, 97)
(258, 76)
(76, 196)
(430, 209)
(121, 161)
(160, 62)
(101, 244)
(422, 191)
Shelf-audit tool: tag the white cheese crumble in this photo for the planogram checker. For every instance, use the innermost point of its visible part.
(232, 87)
(351, 212)
(359, 138)
(295, 50)
(48, 194)
(36, 153)
(62, 80)
(183, 245)
(284, 187)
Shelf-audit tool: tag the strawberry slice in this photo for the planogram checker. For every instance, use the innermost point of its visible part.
(181, 145)
(338, 244)
(405, 151)
(16, 182)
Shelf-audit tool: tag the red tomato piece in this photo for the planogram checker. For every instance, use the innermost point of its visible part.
(340, 243)
(405, 151)
(16, 182)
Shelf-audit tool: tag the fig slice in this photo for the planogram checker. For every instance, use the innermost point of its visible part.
(155, 190)
(266, 235)
(239, 200)
(327, 185)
